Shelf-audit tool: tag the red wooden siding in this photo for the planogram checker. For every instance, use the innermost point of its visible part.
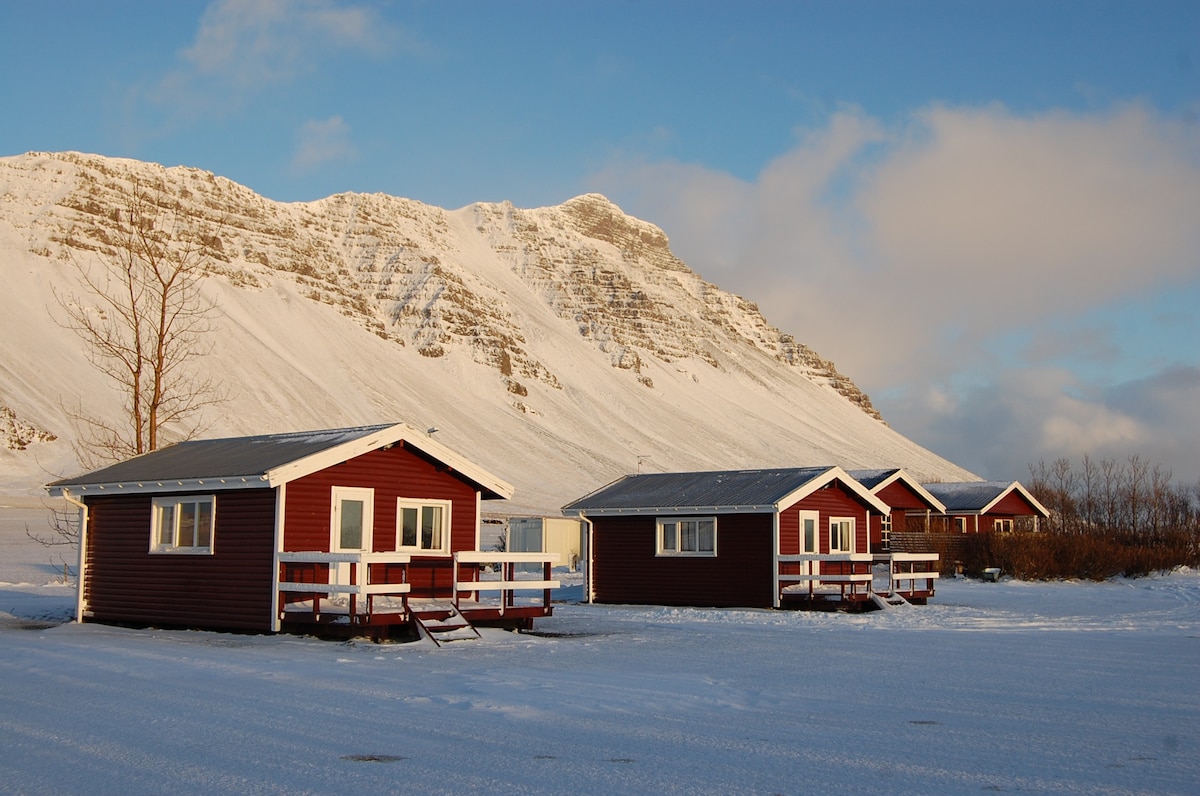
(398, 472)
(832, 502)
(901, 497)
(626, 569)
(1013, 504)
(230, 589)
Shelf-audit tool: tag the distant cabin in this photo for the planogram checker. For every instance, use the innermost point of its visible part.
(789, 537)
(985, 506)
(911, 505)
(372, 530)
(560, 535)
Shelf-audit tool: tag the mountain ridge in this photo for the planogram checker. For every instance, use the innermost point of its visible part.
(501, 325)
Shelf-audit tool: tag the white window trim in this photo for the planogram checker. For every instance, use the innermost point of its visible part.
(175, 549)
(367, 496)
(1002, 525)
(852, 536)
(659, 550)
(815, 516)
(447, 525)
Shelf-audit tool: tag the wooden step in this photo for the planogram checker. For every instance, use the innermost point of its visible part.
(444, 623)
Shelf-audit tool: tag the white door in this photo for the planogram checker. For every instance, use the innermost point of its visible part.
(351, 524)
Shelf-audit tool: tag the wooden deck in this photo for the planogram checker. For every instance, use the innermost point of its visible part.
(852, 582)
(347, 595)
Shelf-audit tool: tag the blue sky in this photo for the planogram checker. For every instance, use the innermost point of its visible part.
(986, 213)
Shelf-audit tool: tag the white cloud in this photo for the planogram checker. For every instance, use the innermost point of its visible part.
(912, 256)
(244, 47)
(257, 42)
(321, 142)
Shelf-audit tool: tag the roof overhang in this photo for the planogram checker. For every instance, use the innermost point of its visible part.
(385, 438)
(911, 483)
(160, 487)
(400, 433)
(827, 478)
(663, 511)
(1015, 486)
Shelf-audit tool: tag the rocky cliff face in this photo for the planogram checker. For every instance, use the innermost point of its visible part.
(511, 301)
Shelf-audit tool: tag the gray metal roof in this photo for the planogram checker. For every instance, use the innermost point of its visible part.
(231, 457)
(967, 495)
(724, 489)
(872, 478)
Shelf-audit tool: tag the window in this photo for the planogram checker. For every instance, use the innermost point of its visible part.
(352, 519)
(808, 531)
(961, 524)
(423, 526)
(841, 535)
(885, 532)
(1003, 526)
(182, 525)
(687, 537)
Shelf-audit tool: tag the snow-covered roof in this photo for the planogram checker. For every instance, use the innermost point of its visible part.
(264, 460)
(978, 497)
(720, 491)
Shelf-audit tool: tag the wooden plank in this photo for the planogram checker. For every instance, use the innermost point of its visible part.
(507, 585)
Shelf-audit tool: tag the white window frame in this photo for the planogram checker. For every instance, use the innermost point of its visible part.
(669, 537)
(367, 496)
(420, 505)
(843, 530)
(178, 534)
(1002, 525)
(885, 532)
(961, 524)
(815, 518)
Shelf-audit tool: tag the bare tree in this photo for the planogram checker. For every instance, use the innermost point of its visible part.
(143, 320)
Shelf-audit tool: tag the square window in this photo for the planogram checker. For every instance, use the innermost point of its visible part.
(182, 525)
(687, 537)
(423, 526)
(841, 535)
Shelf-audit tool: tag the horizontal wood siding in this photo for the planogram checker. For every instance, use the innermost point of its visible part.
(1013, 504)
(395, 473)
(228, 590)
(836, 501)
(899, 495)
(626, 569)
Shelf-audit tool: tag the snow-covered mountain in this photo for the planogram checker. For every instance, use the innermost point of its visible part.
(558, 347)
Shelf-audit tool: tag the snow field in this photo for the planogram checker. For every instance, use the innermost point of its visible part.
(1050, 688)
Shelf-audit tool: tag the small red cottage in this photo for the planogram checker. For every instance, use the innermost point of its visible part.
(906, 498)
(356, 531)
(746, 538)
(983, 506)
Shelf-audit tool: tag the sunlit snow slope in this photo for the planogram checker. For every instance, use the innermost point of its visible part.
(558, 347)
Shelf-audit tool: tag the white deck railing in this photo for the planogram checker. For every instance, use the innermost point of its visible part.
(911, 572)
(468, 562)
(356, 583)
(852, 578)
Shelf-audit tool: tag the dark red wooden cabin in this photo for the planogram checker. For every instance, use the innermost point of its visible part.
(746, 538)
(985, 506)
(350, 531)
(906, 498)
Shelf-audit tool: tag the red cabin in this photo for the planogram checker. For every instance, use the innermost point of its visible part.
(906, 498)
(372, 530)
(985, 506)
(746, 538)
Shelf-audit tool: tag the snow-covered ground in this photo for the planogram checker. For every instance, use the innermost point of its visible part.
(1047, 688)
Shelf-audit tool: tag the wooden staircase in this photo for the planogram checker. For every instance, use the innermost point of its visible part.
(889, 600)
(443, 623)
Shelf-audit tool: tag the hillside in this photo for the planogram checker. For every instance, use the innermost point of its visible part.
(558, 347)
